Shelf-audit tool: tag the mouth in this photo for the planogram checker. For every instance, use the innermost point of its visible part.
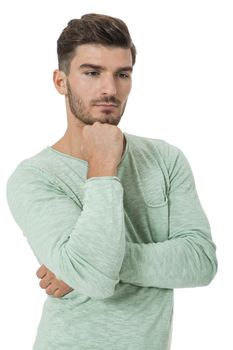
(106, 105)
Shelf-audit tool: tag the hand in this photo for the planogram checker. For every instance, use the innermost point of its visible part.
(51, 284)
(102, 143)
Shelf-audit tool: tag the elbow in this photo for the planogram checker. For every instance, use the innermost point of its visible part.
(206, 263)
(206, 269)
(210, 272)
(96, 286)
(86, 276)
(90, 289)
(98, 292)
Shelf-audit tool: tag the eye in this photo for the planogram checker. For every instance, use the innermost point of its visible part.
(124, 75)
(92, 73)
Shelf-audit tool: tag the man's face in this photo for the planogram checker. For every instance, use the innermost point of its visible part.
(99, 83)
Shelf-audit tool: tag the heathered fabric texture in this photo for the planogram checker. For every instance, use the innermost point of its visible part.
(121, 242)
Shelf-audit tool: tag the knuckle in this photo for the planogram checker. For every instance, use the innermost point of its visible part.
(86, 127)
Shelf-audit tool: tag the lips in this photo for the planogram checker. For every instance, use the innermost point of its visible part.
(106, 105)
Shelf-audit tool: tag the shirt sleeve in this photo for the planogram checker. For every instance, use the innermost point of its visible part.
(84, 247)
(188, 257)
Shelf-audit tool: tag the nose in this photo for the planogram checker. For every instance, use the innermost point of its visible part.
(108, 86)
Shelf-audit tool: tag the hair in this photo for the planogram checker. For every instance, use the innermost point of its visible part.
(92, 29)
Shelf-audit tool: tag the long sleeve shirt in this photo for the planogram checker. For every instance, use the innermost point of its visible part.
(123, 243)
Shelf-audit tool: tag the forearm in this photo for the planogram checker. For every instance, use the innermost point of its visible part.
(172, 264)
(83, 246)
(177, 263)
(91, 258)
(188, 257)
(75, 229)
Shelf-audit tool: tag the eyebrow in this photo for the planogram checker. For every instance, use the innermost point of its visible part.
(97, 67)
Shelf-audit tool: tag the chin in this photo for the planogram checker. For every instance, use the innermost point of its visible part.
(109, 119)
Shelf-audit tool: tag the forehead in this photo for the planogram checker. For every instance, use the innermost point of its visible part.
(97, 54)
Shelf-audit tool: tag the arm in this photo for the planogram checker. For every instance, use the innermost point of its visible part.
(83, 247)
(187, 258)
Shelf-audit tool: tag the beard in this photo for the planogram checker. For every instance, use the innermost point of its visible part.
(82, 113)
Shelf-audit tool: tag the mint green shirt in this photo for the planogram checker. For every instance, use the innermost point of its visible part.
(123, 243)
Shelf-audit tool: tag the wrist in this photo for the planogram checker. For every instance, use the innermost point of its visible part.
(101, 170)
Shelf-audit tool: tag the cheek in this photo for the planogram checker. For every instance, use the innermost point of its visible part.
(82, 84)
(84, 91)
(89, 91)
(125, 91)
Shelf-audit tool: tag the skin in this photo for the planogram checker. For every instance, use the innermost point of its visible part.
(96, 90)
(86, 87)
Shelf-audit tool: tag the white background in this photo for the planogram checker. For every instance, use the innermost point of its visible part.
(182, 93)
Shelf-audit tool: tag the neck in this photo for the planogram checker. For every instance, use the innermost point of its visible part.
(70, 143)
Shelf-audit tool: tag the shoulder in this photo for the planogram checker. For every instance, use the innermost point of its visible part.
(156, 148)
(40, 164)
(31, 172)
(40, 161)
(171, 160)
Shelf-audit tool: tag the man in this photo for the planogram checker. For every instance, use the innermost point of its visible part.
(114, 219)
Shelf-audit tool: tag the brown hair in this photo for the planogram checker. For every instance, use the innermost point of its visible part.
(92, 28)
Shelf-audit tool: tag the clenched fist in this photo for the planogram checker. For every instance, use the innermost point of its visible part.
(102, 147)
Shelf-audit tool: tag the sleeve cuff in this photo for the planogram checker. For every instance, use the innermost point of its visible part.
(94, 178)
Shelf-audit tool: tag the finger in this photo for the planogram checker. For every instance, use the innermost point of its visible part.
(61, 292)
(63, 287)
(41, 272)
(58, 293)
(47, 280)
(58, 284)
(50, 290)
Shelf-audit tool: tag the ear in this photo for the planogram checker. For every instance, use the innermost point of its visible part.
(59, 80)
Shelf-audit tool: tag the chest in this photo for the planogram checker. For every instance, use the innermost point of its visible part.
(145, 201)
(146, 207)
